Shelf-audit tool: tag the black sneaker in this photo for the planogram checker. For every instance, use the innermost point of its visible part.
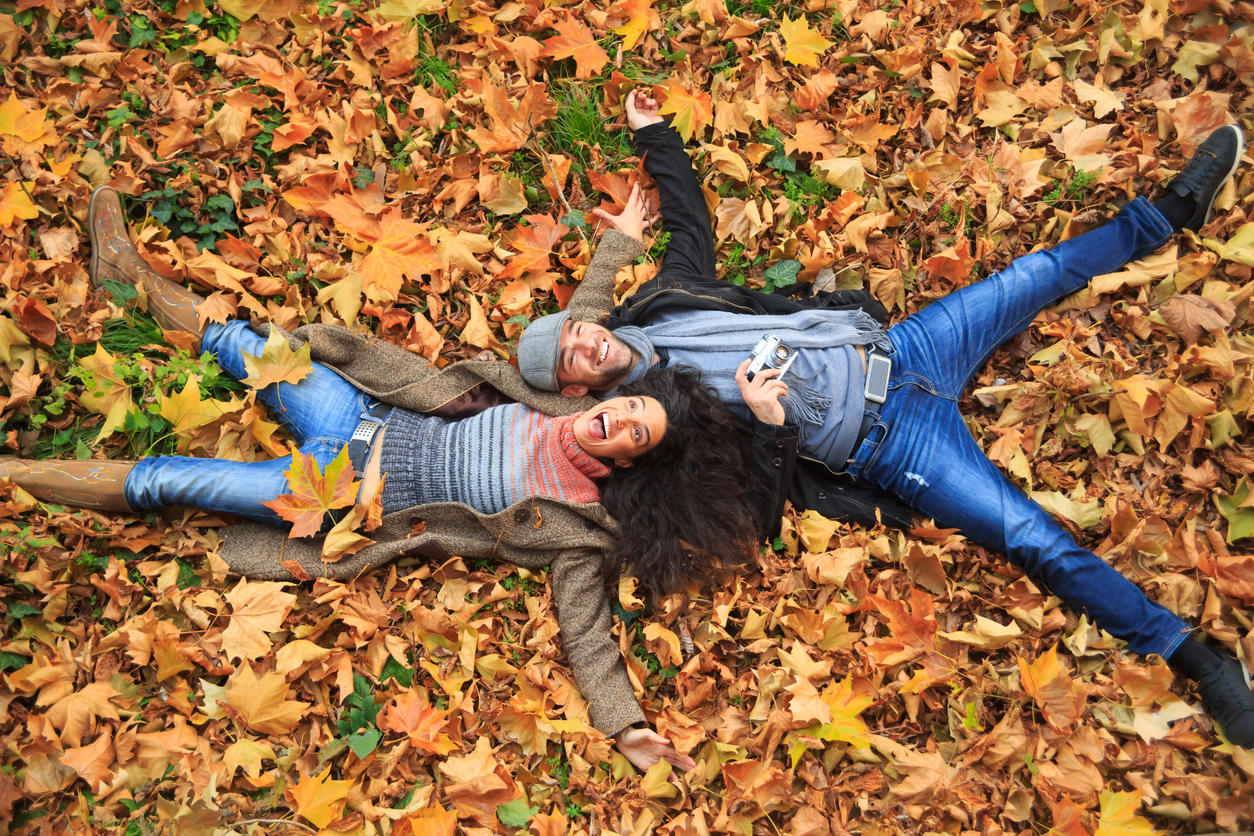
(1213, 163)
(1225, 689)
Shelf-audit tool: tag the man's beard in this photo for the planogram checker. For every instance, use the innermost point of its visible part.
(609, 376)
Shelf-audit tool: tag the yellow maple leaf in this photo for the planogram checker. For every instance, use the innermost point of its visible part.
(342, 540)
(575, 40)
(1119, 816)
(277, 363)
(640, 15)
(24, 130)
(186, 411)
(477, 331)
(692, 113)
(107, 395)
(845, 706)
(804, 45)
(403, 11)
(319, 799)
(15, 204)
(246, 754)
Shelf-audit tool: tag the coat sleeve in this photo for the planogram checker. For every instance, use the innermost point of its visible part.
(773, 462)
(583, 617)
(594, 298)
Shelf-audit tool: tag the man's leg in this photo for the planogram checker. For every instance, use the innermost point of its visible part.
(958, 333)
(322, 404)
(929, 460)
(691, 245)
(964, 328)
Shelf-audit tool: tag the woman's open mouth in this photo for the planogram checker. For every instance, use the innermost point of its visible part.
(605, 350)
(599, 426)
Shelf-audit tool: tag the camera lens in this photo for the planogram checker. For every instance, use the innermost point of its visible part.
(782, 352)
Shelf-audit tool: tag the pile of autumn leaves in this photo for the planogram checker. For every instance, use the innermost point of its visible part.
(827, 693)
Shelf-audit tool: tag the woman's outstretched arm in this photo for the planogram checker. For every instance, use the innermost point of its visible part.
(583, 615)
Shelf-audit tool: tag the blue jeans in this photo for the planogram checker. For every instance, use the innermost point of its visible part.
(921, 452)
(321, 412)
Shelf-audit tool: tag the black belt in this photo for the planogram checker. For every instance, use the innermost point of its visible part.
(358, 447)
(871, 410)
(363, 435)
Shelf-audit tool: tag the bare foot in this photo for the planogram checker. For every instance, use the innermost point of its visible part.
(642, 111)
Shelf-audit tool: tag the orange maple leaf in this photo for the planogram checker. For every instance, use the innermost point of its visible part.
(319, 799)
(409, 714)
(534, 244)
(314, 493)
(433, 821)
(511, 124)
(692, 113)
(402, 251)
(576, 41)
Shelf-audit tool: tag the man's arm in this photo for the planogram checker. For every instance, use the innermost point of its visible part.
(690, 249)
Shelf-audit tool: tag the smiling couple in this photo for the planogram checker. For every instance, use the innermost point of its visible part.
(691, 469)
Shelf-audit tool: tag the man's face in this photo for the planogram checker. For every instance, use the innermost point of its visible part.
(591, 356)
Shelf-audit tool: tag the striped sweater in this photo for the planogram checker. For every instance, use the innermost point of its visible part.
(489, 461)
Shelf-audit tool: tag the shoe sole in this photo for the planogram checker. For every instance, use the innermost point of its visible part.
(91, 230)
(1236, 163)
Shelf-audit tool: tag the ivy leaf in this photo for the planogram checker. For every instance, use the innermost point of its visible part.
(516, 813)
(364, 742)
(783, 273)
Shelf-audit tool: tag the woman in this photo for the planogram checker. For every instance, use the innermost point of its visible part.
(517, 482)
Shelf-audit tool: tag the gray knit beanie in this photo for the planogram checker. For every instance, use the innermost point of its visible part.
(538, 350)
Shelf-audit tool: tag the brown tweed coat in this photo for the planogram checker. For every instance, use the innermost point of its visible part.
(571, 539)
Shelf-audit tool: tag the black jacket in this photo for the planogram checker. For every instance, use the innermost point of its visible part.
(779, 473)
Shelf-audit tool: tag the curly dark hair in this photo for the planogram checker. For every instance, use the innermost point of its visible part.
(684, 504)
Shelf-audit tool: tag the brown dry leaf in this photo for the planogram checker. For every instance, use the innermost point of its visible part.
(257, 608)
(262, 704)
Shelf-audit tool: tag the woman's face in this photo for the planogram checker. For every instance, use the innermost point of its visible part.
(621, 428)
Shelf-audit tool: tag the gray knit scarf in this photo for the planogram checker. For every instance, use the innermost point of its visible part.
(716, 332)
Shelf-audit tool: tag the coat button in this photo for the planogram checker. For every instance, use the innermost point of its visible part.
(778, 462)
(822, 495)
(779, 445)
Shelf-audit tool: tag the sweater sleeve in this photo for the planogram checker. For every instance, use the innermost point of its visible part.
(583, 616)
(594, 298)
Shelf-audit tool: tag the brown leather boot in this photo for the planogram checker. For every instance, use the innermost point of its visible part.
(114, 257)
(87, 483)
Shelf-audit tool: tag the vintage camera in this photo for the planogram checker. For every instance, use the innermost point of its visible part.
(770, 353)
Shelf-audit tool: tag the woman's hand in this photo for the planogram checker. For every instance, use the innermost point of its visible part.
(762, 394)
(645, 747)
(641, 111)
(631, 221)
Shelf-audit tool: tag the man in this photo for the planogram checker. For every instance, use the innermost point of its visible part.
(872, 414)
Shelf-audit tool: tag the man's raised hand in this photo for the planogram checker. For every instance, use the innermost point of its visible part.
(631, 221)
(762, 394)
(641, 111)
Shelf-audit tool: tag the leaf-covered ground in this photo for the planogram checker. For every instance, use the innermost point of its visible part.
(422, 171)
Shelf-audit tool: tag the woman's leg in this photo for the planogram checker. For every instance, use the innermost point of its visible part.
(219, 485)
(955, 335)
(322, 404)
(929, 460)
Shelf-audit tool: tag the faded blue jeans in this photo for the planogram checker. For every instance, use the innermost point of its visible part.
(321, 412)
(921, 452)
